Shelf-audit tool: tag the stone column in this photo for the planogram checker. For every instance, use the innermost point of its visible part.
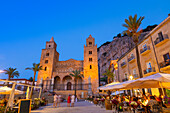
(89, 89)
(41, 83)
(72, 86)
(52, 84)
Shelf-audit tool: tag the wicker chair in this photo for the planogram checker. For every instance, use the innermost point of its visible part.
(157, 109)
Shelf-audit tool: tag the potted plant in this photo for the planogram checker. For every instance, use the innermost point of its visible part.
(108, 104)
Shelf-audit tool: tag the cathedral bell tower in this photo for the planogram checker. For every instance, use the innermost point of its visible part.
(91, 63)
(48, 57)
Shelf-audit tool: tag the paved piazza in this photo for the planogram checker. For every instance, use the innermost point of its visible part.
(80, 107)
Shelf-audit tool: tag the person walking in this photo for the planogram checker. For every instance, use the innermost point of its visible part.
(68, 101)
(55, 101)
(72, 100)
(59, 100)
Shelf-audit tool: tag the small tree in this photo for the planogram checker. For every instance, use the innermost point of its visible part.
(11, 72)
(35, 69)
(109, 74)
(76, 74)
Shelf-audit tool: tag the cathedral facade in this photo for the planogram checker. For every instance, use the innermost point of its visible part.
(55, 75)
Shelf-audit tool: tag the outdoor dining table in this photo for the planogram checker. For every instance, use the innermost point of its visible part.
(16, 108)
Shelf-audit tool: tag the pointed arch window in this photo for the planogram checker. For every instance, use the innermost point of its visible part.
(90, 66)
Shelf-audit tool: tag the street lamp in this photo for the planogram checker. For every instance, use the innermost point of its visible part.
(130, 77)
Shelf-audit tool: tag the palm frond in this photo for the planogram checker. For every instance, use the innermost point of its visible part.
(132, 24)
(28, 68)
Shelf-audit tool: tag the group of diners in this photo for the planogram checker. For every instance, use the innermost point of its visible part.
(143, 104)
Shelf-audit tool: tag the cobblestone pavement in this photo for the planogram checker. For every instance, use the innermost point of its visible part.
(80, 107)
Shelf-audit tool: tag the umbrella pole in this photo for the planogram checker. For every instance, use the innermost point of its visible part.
(40, 92)
(162, 89)
(132, 91)
(115, 93)
(11, 98)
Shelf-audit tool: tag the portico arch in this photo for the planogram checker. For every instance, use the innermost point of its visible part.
(57, 83)
(67, 81)
(79, 83)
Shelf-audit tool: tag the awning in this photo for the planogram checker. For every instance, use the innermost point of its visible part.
(6, 90)
(103, 87)
(158, 80)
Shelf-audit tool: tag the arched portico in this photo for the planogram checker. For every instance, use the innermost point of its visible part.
(57, 83)
(67, 81)
(79, 83)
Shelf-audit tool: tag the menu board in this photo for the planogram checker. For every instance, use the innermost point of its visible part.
(24, 106)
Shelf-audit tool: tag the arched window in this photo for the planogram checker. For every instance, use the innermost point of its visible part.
(90, 66)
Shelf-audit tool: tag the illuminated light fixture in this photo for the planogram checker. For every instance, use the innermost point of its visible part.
(130, 77)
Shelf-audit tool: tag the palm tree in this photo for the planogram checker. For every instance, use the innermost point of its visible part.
(132, 24)
(109, 74)
(35, 68)
(11, 72)
(76, 74)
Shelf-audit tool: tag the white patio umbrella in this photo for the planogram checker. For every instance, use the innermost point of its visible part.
(158, 80)
(119, 86)
(103, 87)
(6, 90)
(117, 92)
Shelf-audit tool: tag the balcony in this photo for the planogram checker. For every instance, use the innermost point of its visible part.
(145, 50)
(159, 41)
(165, 65)
(135, 76)
(125, 79)
(149, 71)
(123, 64)
(131, 59)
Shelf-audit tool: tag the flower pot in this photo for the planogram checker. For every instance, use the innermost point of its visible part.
(95, 102)
(108, 105)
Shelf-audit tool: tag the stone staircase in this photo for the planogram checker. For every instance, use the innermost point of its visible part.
(44, 94)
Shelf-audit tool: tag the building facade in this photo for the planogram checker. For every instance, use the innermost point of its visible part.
(113, 51)
(154, 53)
(55, 75)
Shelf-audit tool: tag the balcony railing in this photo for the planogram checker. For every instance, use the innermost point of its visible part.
(66, 87)
(159, 39)
(125, 79)
(135, 75)
(123, 64)
(164, 63)
(131, 58)
(145, 49)
(149, 70)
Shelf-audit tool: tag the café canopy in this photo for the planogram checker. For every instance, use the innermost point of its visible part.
(103, 87)
(6, 90)
(158, 80)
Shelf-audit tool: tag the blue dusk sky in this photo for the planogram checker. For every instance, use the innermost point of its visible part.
(26, 25)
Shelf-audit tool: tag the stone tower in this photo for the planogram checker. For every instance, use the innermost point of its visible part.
(49, 56)
(91, 63)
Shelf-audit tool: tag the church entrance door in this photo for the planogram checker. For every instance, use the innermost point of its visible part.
(69, 86)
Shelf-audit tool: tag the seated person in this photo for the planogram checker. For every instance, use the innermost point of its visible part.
(5, 101)
(152, 102)
(15, 103)
(125, 105)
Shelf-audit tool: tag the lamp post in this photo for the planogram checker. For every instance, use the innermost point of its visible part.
(131, 78)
